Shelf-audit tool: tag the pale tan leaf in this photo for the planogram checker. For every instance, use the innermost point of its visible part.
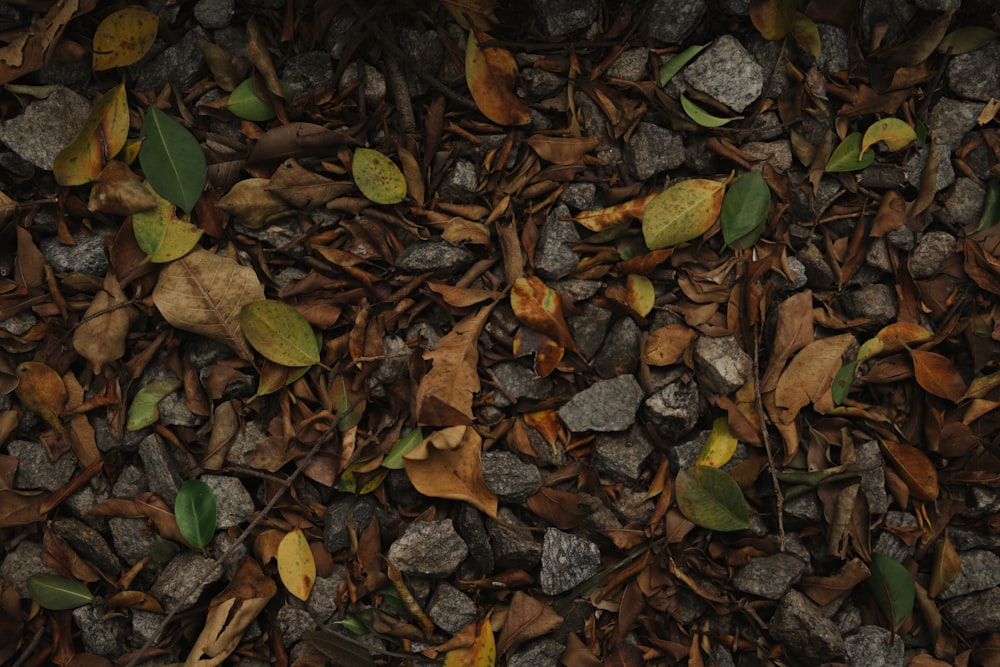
(810, 374)
(447, 465)
(100, 337)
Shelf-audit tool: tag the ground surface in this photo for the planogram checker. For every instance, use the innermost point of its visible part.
(749, 421)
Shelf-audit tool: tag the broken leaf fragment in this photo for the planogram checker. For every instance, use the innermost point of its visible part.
(447, 465)
(491, 74)
(682, 212)
(378, 177)
(279, 333)
(712, 499)
(143, 411)
(100, 138)
(162, 235)
(296, 564)
(124, 37)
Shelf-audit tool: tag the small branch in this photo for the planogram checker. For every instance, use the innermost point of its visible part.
(765, 439)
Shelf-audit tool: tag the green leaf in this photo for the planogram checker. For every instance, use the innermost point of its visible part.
(966, 39)
(675, 64)
(702, 117)
(848, 156)
(842, 382)
(806, 34)
(896, 133)
(892, 588)
(991, 207)
(172, 159)
(378, 177)
(348, 405)
(196, 512)
(161, 234)
(744, 210)
(279, 333)
(52, 591)
(163, 550)
(244, 103)
(144, 412)
(712, 499)
(394, 459)
(682, 212)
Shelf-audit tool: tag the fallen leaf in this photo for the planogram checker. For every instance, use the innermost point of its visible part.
(447, 465)
(547, 353)
(119, 191)
(297, 140)
(279, 333)
(482, 653)
(562, 150)
(31, 49)
(966, 39)
(919, 47)
(895, 337)
(253, 204)
(162, 235)
(172, 160)
(772, 18)
(913, 466)
(42, 390)
(146, 505)
(52, 591)
(895, 133)
(711, 499)
(720, 446)
(491, 74)
(937, 375)
(682, 212)
(702, 117)
(619, 214)
(296, 565)
(810, 374)
(124, 37)
(304, 189)
(639, 294)
(196, 510)
(806, 35)
(667, 345)
(378, 177)
(946, 567)
(848, 156)
(143, 411)
(744, 210)
(538, 306)
(794, 331)
(824, 590)
(244, 102)
(100, 336)
(472, 13)
(100, 138)
(677, 62)
(892, 588)
(891, 214)
(527, 619)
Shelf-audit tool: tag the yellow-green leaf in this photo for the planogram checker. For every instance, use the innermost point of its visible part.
(482, 653)
(244, 102)
(966, 39)
(143, 411)
(897, 134)
(702, 117)
(682, 212)
(394, 459)
(806, 34)
(279, 333)
(675, 64)
(772, 18)
(296, 565)
(640, 294)
(103, 134)
(378, 177)
(124, 37)
(161, 234)
(720, 446)
(848, 156)
(711, 499)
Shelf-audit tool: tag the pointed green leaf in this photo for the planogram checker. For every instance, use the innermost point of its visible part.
(378, 177)
(848, 156)
(675, 64)
(196, 512)
(966, 39)
(144, 412)
(682, 212)
(161, 234)
(55, 592)
(896, 133)
(744, 210)
(806, 34)
(172, 160)
(702, 117)
(892, 588)
(712, 499)
(348, 405)
(842, 382)
(394, 459)
(244, 103)
(991, 207)
(279, 333)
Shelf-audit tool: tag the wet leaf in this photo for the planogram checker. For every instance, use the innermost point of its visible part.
(892, 588)
(394, 459)
(244, 102)
(52, 591)
(296, 564)
(937, 375)
(702, 117)
(640, 293)
(772, 18)
(848, 155)
(279, 333)
(538, 306)
(196, 512)
(946, 567)
(806, 35)
(124, 37)
(711, 499)
(161, 234)
(677, 62)
(893, 338)
(482, 653)
(744, 210)
(682, 212)
(967, 39)
(447, 465)
(667, 345)
(894, 132)
(41, 390)
(172, 160)
(914, 468)
(100, 138)
(491, 74)
(378, 177)
(143, 411)
(720, 446)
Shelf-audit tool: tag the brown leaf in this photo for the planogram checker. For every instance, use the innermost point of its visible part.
(228, 69)
(937, 375)
(548, 354)
(20, 508)
(491, 74)
(135, 600)
(809, 375)
(563, 509)
(146, 505)
(305, 189)
(461, 297)
(203, 293)
(444, 396)
(447, 465)
(667, 345)
(794, 331)
(296, 140)
(920, 47)
(527, 619)
(119, 191)
(824, 590)
(30, 50)
(100, 336)
(947, 566)
(252, 203)
(42, 391)
(562, 150)
(891, 214)
(539, 306)
(772, 18)
(914, 468)
(577, 653)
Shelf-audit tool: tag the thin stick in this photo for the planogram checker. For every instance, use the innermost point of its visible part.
(765, 439)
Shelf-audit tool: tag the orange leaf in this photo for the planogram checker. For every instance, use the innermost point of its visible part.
(42, 391)
(548, 353)
(914, 468)
(667, 345)
(893, 338)
(603, 218)
(937, 375)
(101, 138)
(538, 306)
(947, 566)
(562, 150)
(447, 465)
(491, 74)
(482, 653)
(296, 565)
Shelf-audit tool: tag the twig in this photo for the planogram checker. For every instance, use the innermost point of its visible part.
(765, 439)
(400, 93)
(30, 648)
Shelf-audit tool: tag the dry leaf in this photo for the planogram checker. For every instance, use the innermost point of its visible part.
(562, 150)
(296, 565)
(794, 332)
(447, 465)
(937, 375)
(914, 468)
(30, 50)
(810, 374)
(667, 345)
(305, 189)
(527, 619)
(491, 73)
(252, 202)
(100, 337)
(538, 306)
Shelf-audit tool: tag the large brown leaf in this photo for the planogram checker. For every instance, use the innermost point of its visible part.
(810, 374)
(491, 74)
(447, 465)
(914, 468)
(527, 619)
(937, 375)
(794, 332)
(100, 337)
(203, 293)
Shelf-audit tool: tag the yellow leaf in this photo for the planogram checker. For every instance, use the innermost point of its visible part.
(682, 212)
(720, 446)
(124, 37)
(896, 133)
(378, 177)
(296, 565)
(482, 653)
(161, 234)
(640, 294)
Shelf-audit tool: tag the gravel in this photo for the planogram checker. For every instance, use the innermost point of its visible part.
(45, 127)
(430, 548)
(606, 405)
(567, 560)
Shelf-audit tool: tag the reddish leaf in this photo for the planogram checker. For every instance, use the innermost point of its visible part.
(914, 468)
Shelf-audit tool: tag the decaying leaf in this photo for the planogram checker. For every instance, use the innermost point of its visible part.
(252, 203)
(279, 332)
(772, 18)
(667, 345)
(119, 190)
(101, 138)
(447, 465)
(124, 37)
(527, 618)
(947, 566)
(100, 336)
(682, 212)
(161, 234)
(538, 306)
(482, 653)
(296, 565)
(913, 466)
(491, 73)
(304, 189)
(42, 391)
(937, 375)
(712, 499)
(378, 177)
(809, 375)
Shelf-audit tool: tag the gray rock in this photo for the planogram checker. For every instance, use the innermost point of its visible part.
(873, 646)
(89, 543)
(450, 608)
(673, 409)
(952, 119)
(213, 14)
(460, 183)
(542, 653)
(18, 565)
(974, 614)
(554, 254)
(931, 251)
(509, 477)
(539, 83)
(145, 625)
(630, 65)
(576, 289)
(869, 460)
(875, 302)
(620, 456)
(309, 72)
(173, 409)
(652, 149)
(519, 381)
(431, 548)
(811, 206)
(805, 507)
(86, 256)
(245, 442)
(890, 545)
(621, 350)
(131, 538)
(579, 196)
(560, 17)
(19, 323)
(181, 64)
(422, 47)
(902, 238)
(798, 276)
(346, 514)
(685, 454)
(606, 405)
(632, 507)
(803, 629)
(185, 572)
(778, 154)
(974, 75)
(819, 275)
(833, 56)
(34, 468)
(322, 602)
(770, 576)
(513, 547)
(965, 539)
(980, 571)
(469, 524)
(589, 327)
(101, 634)
(45, 127)
(848, 619)
(233, 501)
(567, 560)
(963, 204)
(372, 84)
(293, 623)
(723, 364)
(879, 256)
(913, 168)
(161, 468)
(671, 20)
(434, 257)
(727, 72)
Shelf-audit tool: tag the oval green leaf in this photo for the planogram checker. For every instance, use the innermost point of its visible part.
(378, 177)
(744, 210)
(55, 592)
(161, 234)
(245, 103)
(279, 333)
(702, 117)
(966, 39)
(682, 212)
(394, 459)
(848, 156)
(144, 412)
(842, 382)
(675, 64)
(172, 160)
(196, 512)
(347, 404)
(712, 499)
(892, 588)
(897, 134)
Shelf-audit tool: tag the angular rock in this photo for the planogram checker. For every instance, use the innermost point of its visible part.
(213, 14)
(874, 646)
(519, 381)
(293, 623)
(434, 257)
(509, 477)
(233, 502)
(630, 65)
(34, 468)
(180, 64)
(349, 509)
(931, 251)
(567, 560)
(579, 196)
(460, 183)
(87, 255)
(620, 456)
(876, 303)
(322, 602)
(974, 75)
(963, 204)
(670, 20)
(621, 350)
(450, 608)
(589, 327)
(542, 653)
(606, 405)
(952, 119)
(513, 547)
(554, 254)
(674, 409)
(131, 538)
(560, 17)
(914, 167)
(45, 127)
(974, 614)
(308, 72)
(18, 565)
(834, 54)
(980, 571)
(430, 548)
(101, 634)
(726, 72)
(89, 543)
(819, 275)
(652, 149)
(723, 364)
(778, 154)
(770, 576)
(469, 524)
(161, 467)
(890, 545)
(805, 632)
(185, 572)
